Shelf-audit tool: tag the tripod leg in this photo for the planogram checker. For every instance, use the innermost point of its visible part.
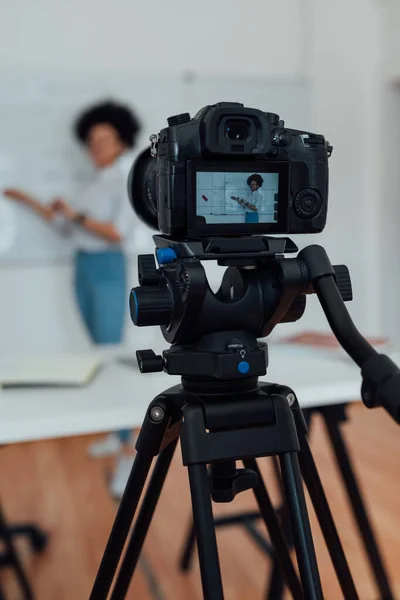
(143, 522)
(325, 519)
(121, 526)
(276, 585)
(246, 520)
(303, 541)
(357, 503)
(275, 531)
(186, 557)
(205, 532)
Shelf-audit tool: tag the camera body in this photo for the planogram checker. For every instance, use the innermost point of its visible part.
(233, 170)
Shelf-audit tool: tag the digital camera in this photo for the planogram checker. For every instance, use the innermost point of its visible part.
(232, 171)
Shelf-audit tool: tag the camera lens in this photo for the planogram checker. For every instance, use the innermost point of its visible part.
(236, 130)
(142, 188)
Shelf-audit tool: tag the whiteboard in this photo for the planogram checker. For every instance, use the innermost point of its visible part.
(38, 152)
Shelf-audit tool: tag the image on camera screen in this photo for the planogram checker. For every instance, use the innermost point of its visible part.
(236, 197)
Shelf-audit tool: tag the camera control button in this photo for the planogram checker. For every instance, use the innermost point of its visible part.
(307, 203)
(243, 367)
(166, 255)
(282, 138)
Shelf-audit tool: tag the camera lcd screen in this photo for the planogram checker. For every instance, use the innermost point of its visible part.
(236, 197)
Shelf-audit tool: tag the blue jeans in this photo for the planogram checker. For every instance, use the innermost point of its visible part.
(251, 217)
(100, 286)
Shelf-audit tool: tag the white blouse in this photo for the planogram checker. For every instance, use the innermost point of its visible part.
(106, 200)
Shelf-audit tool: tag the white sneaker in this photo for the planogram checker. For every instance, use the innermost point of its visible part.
(108, 446)
(121, 473)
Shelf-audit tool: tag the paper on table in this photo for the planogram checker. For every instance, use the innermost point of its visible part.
(52, 370)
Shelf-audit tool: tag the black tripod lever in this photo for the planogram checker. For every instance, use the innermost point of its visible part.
(226, 481)
(381, 376)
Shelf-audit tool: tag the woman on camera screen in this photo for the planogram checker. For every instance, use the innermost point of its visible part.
(254, 200)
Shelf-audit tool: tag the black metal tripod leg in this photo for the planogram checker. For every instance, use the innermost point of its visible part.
(148, 445)
(205, 533)
(121, 526)
(142, 524)
(188, 548)
(325, 519)
(276, 586)
(246, 520)
(275, 531)
(303, 541)
(358, 506)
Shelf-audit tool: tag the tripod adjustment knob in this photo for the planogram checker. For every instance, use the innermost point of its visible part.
(343, 282)
(147, 270)
(149, 361)
(150, 305)
(224, 489)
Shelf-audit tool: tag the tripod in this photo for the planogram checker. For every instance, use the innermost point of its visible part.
(333, 417)
(218, 430)
(223, 415)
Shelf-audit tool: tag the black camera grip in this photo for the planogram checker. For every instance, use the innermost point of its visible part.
(381, 376)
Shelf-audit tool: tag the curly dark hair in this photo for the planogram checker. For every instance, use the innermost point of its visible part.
(257, 178)
(117, 115)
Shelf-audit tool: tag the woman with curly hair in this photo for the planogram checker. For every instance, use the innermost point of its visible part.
(254, 200)
(108, 132)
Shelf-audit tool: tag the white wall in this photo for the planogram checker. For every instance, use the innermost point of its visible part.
(335, 44)
(214, 35)
(388, 196)
(343, 67)
(391, 41)
(389, 203)
(178, 36)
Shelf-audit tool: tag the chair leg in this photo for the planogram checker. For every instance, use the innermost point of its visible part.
(13, 560)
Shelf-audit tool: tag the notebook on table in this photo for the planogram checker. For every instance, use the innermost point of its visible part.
(56, 370)
(326, 342)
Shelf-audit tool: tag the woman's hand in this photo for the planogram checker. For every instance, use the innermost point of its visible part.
(43, 210)
(105, 231)
(238, 200)
(16, 194)
(60, 206)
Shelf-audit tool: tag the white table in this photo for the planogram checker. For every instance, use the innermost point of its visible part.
(119, 395)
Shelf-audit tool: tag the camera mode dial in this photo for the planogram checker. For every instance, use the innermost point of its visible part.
(178, 119)
(273, 118)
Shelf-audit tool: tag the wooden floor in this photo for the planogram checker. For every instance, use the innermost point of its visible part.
(56, 485)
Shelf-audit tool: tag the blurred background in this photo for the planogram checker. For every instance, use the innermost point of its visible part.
(332, 69)
(329, 67)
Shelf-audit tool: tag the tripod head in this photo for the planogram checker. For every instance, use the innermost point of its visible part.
(214, 336)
